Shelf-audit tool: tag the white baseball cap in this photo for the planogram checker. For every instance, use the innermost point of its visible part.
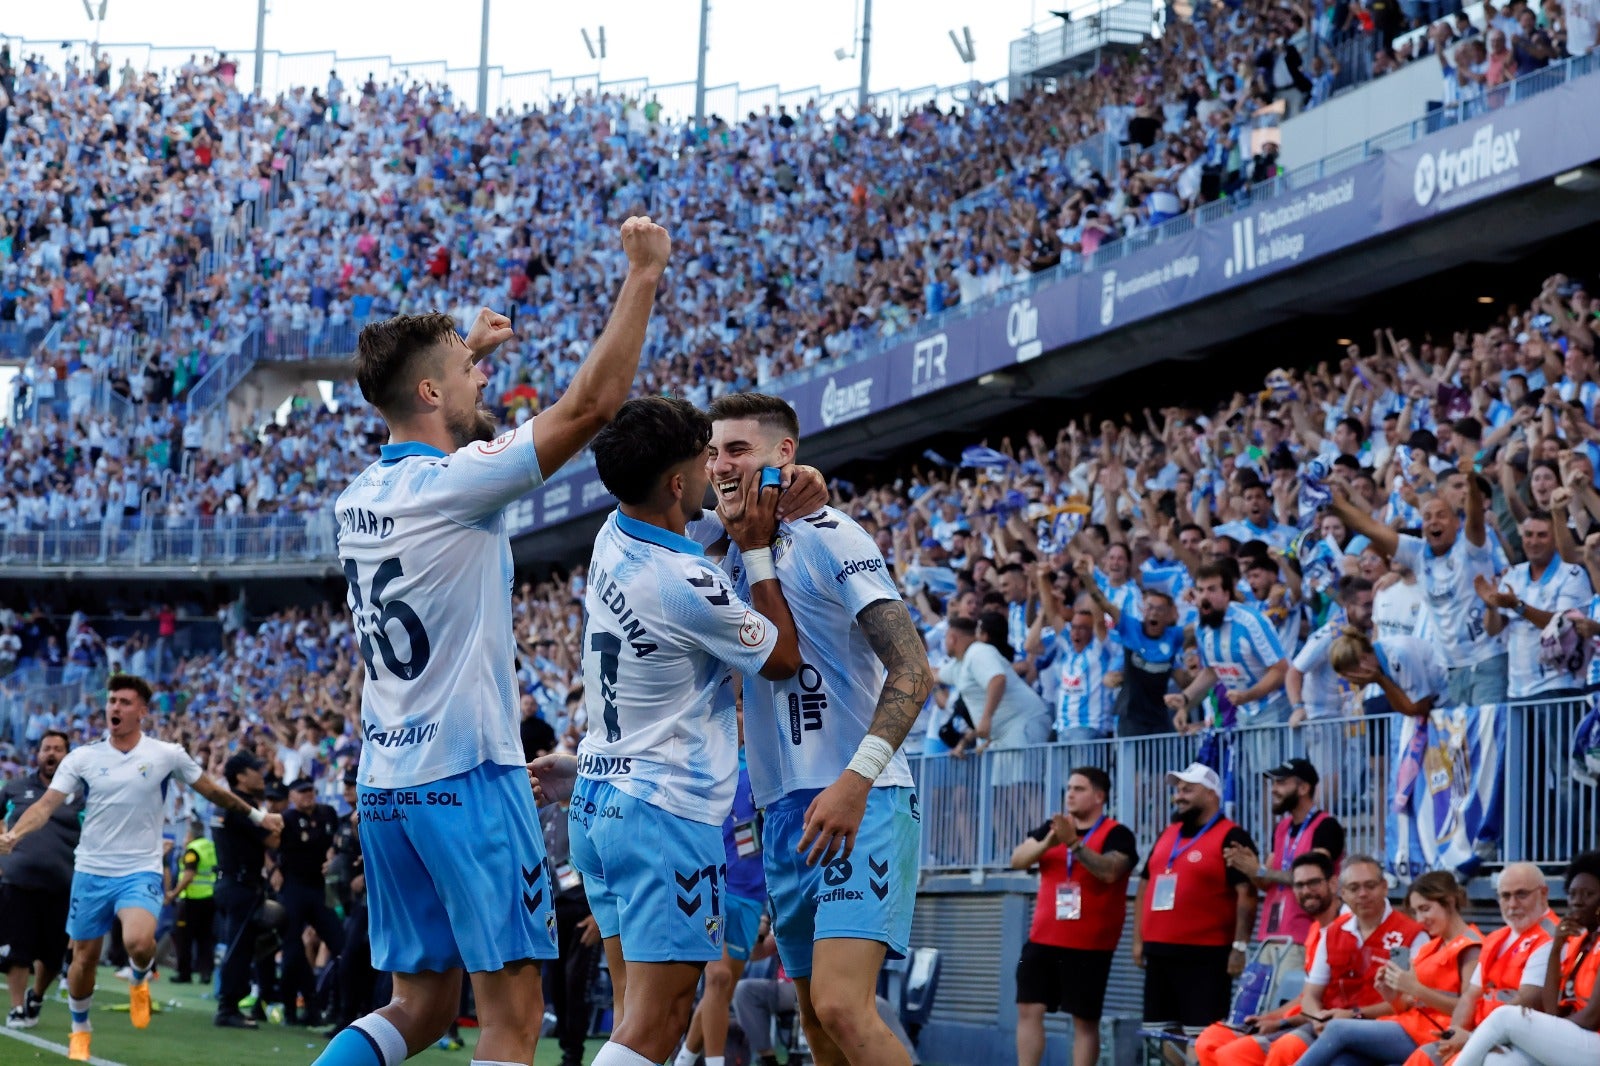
(1197, 773)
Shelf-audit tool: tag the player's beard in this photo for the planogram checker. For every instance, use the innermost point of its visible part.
(1285, 805)
(474, 426)
(1212, 619)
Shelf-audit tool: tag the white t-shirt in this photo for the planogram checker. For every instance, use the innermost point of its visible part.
(1562, 587)
(124, 802)
(1020, 719)
(664, 631)
(1397, 610)
(1321, 690)
(1451, 610)
(801, 733)
(422, 537)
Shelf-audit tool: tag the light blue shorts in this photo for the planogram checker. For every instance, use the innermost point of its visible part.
(96, 900)
(456, 873)
(869, 896)
(652, 878)
(743, 926)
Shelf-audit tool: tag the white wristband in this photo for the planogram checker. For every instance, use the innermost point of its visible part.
(257, 815)
(871, 757)
(758, 565)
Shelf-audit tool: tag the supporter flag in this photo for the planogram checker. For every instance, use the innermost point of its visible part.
(1218, 749)
(1446, 802)
(1314, 492)
(936, 459)
(1586, 750)
(984, 458)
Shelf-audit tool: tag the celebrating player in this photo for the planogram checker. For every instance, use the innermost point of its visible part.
(425, 549)
(841, 834)
(118, 862)
(658, 768)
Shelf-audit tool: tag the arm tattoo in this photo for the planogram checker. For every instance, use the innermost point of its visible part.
(894, 639)
(222, 796)
(1105, 867)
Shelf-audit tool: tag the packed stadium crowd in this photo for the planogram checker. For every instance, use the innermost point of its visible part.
(1414, 525)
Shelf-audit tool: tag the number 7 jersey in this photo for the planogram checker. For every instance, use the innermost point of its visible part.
(664, 629)
(423, 543)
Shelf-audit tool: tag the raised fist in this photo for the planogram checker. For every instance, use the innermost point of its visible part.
(647, 244)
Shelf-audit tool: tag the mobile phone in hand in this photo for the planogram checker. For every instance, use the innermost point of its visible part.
(1401, 957)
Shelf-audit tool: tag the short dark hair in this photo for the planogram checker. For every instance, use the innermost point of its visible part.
(48, 733)
(1096, 777)
(648, 437)
(1228, 575)
(1586, 863)
(1346, 587)
(129, 683)
(773, 411)
(1314, 858)
(386, 355)
(1355, 427)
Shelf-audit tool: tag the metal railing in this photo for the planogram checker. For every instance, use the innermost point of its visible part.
(976, 810)
(158, 540)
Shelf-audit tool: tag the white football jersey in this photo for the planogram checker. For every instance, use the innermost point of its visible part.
(801, 733)
(1451, 610)
(664, 631)
(124, 802)
(1561, 588)
(423, 541)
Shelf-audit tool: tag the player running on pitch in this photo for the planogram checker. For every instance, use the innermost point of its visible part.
(842, 825)
(117, 866)
(454, 853)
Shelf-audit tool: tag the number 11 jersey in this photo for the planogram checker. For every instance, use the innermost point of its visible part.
(423, 542)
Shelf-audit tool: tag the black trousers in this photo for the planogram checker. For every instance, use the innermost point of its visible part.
(361, 988)
(237, 925)
(304, 906)
(195, 937)
(567, 978)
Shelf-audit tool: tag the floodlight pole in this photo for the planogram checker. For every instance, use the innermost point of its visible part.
(483, 63)
(865, 100)
(261, 42)
(700, 64)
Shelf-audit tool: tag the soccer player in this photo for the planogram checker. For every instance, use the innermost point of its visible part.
(658, 769)
(118, 861)
(842, 823)
(423, 541)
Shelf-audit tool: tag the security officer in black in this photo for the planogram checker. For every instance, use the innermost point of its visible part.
(241, 888)
(303, 857)
(356, 992)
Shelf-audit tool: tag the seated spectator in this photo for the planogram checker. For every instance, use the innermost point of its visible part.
(1511, 966)
(1342, 982)
(1312, 882)
(1423, 993)
(1566, 1029)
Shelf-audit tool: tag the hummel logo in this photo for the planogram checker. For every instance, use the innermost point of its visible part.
(687, 883)
(878, 869)
(706, 581)
(689, 904)
(534, 901)
(529, 876)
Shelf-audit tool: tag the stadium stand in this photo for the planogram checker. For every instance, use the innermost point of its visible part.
(201, 230)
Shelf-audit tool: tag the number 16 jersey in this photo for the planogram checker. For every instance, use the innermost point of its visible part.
(423, 542)
(664, 627)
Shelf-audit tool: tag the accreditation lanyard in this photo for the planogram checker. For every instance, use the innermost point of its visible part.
(1286, 860)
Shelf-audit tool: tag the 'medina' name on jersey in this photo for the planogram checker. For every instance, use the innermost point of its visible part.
(424, 546)
(664, 629)
(801, 734)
